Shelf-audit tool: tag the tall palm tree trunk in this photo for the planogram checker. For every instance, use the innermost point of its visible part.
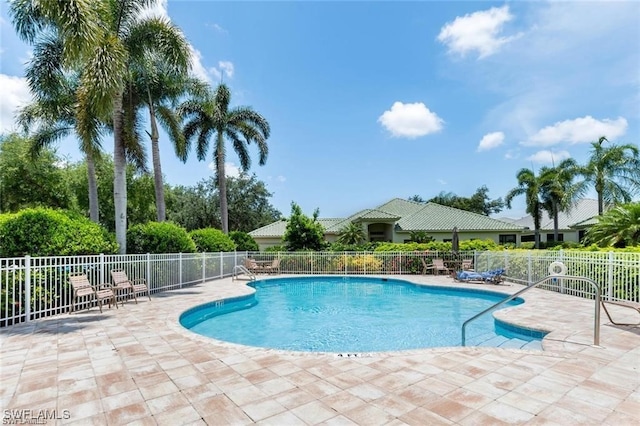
(222, 183)
(94, 210)
(119, 175)
(161, 214)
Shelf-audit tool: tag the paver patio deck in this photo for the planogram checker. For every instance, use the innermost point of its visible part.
(137, 365)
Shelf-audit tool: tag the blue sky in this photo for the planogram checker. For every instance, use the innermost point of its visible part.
(369, 101)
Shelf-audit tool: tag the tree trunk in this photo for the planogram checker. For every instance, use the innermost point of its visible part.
(555, 222)
(119, 175)
(222, 183)
(161, 214)
(94, 211)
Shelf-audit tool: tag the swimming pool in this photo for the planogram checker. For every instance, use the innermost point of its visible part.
(350, 314)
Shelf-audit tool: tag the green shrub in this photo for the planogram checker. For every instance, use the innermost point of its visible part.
(212, 240)
(47, 232)
(244, 241)
(275, 249)
(159, 237)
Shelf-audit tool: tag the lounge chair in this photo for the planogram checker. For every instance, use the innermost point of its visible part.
(83, 288)
(122, 284)
(436, 266)
(487, 277)
(632, 305)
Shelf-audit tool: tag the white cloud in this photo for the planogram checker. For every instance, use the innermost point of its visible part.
(549, 157)
(14, 92)
(490, 141)
(410, 120)
(579, 130)
(477, 31)
(281, 178)
(225, 68)
(230, 169)
(197, 69)
(512, 154)
(442, 181)
(218, 28)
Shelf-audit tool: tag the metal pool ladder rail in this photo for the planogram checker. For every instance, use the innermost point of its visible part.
(596, 325)
(240, 269)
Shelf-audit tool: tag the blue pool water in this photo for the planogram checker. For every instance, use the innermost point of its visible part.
(353, 314)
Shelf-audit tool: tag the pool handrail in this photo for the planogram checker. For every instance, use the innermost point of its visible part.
(596, 325)
(243, 270)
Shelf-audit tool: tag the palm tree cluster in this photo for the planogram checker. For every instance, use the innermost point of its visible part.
(613, 171)
(98, 65)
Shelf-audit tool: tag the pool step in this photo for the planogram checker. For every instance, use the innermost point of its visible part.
(491, 340)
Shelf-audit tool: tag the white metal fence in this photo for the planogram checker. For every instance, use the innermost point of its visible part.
(35, 287)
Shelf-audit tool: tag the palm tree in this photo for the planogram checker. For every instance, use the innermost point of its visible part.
(104, 38)
(558, 191)
(52, 112)
(614, 172)
(211, 115)
(528, 185)
(618, 227)
(159, 88)
(352, 234)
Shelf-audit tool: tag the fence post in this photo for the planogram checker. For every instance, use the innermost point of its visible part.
(204, 266)
(221, 265)
(529, 280)
(180, 269)
(400, 265)
(102, 272)
(149, 271)
(27, 290)
(610, 277)
(311, 262)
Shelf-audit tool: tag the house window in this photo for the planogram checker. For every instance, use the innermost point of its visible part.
(507, 238)
(550, 237)
(528, 238)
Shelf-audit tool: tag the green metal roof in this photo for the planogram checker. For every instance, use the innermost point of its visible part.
(276, 229)
(409, 215)
(436, 217)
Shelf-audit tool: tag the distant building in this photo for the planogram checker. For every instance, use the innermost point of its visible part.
(395, 220)
(571, 226)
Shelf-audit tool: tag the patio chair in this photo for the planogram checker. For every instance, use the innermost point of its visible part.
(273, 268)
(487, 277)
(252, 266)
(467, 264)
(123, 285)
(83, 288)
(625, 304)
(436, 266)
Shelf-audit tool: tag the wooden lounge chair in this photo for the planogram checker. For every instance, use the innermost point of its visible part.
(631, 305)
(83, 288)
(122, 285)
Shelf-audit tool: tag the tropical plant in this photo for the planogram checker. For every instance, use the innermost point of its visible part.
(212, 240)
(52, 116)
(104, 39)
(614, 172)
(558, 191)
(159, 237)
(529, 186)
(212, 116)
(420, 237)
(352, 234)
(30, 182)
(243, 241)
(303, 232)
(158, 88)
(618, 227)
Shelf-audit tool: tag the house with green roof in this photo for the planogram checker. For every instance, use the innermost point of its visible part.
(395, 220)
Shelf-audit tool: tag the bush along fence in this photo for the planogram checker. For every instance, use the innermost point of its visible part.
(36, 287)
